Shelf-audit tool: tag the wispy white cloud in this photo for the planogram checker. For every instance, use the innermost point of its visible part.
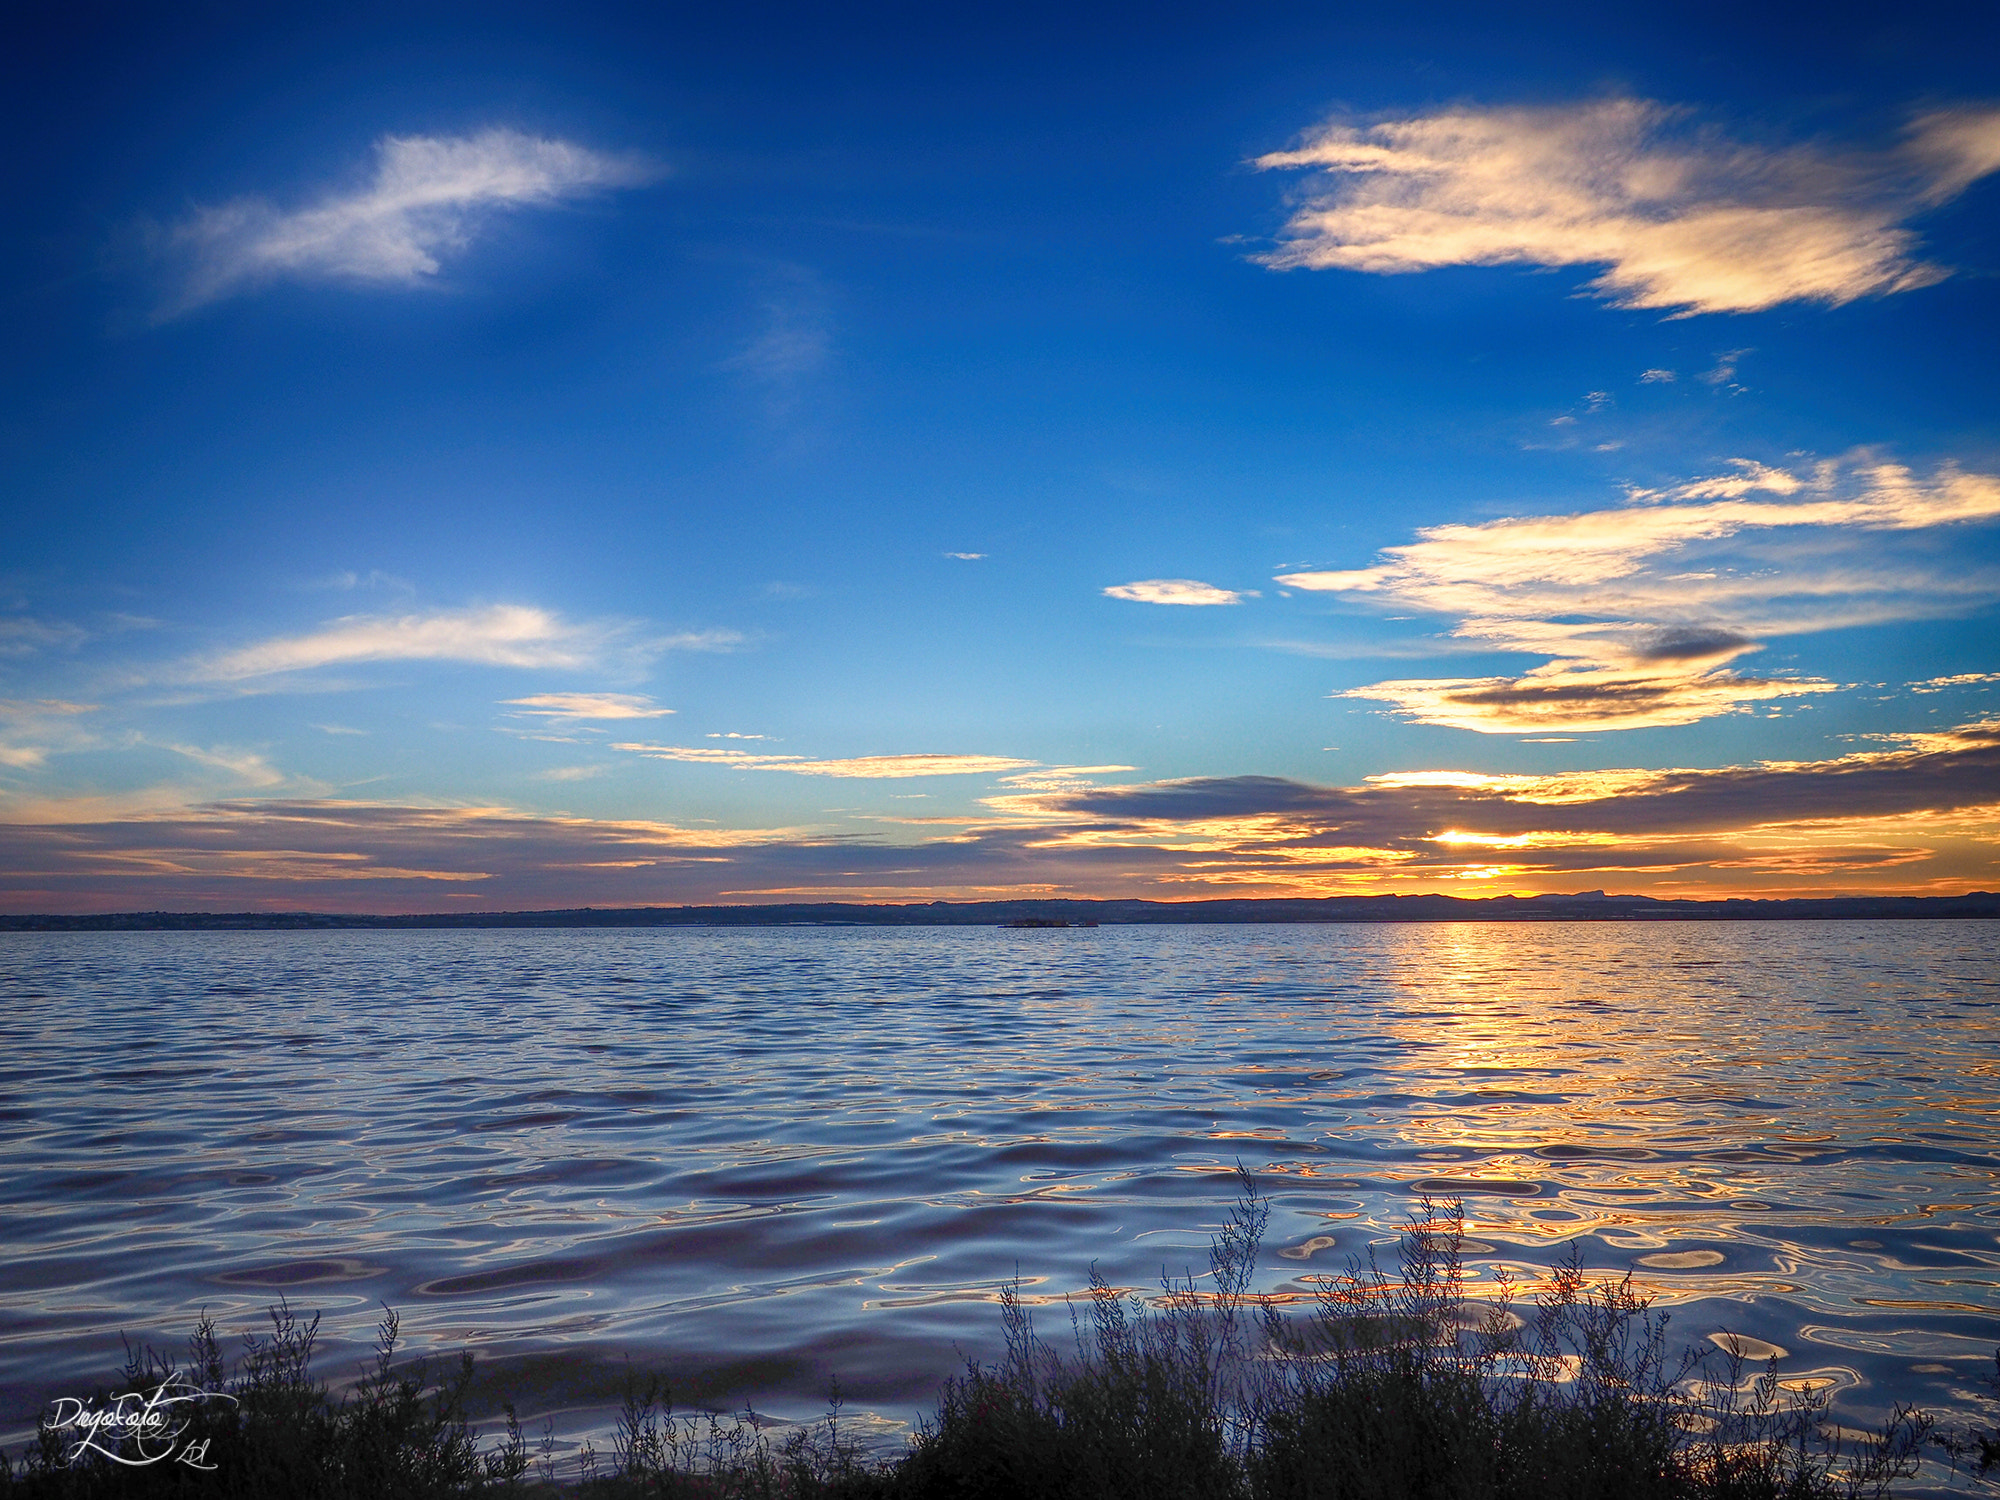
(795, 333)
(347, 580)
(426, 200)
(694, 640)
(868, 767)
(31, 729)
(23, 636)
(22, 757)
(15, 709)
(498, 635)
(1640, 608)
(790, 345)
(590, 706)
(1656, 377)
(1956, 680)
(1060, 778)
(1679, 216)
(1723, 375)
(245, 766)
(1173, 591)
(1957, 147)
(966, 556)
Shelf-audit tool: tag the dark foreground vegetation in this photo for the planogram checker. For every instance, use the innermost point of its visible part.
(1383, 1387)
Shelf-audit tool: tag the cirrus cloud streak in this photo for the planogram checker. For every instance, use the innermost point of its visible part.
(426, 200)
(1173, 591)
(861, 767)
(1679, 216)
(589, 706)
(1641, 608)
(494, 635)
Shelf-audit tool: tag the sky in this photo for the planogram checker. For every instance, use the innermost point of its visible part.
(463, 458)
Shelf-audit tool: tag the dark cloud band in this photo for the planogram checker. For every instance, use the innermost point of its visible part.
(1923, 814)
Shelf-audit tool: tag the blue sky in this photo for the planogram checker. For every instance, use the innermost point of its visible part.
(479, 457)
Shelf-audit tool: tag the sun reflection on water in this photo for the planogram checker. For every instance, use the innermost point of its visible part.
(788, 1153)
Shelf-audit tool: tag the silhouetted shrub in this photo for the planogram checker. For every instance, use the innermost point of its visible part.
(272, 1430)
(1391, 1387)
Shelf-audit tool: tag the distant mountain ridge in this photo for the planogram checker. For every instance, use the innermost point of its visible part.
(1582, 906)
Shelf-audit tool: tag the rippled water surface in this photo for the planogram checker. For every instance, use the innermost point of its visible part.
(757, 1157)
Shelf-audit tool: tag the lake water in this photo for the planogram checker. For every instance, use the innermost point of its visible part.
(755, 1158)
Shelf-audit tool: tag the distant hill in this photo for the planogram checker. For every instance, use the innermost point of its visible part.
(1586, 906)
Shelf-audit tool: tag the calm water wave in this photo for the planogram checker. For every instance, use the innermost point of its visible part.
(759, 1157)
